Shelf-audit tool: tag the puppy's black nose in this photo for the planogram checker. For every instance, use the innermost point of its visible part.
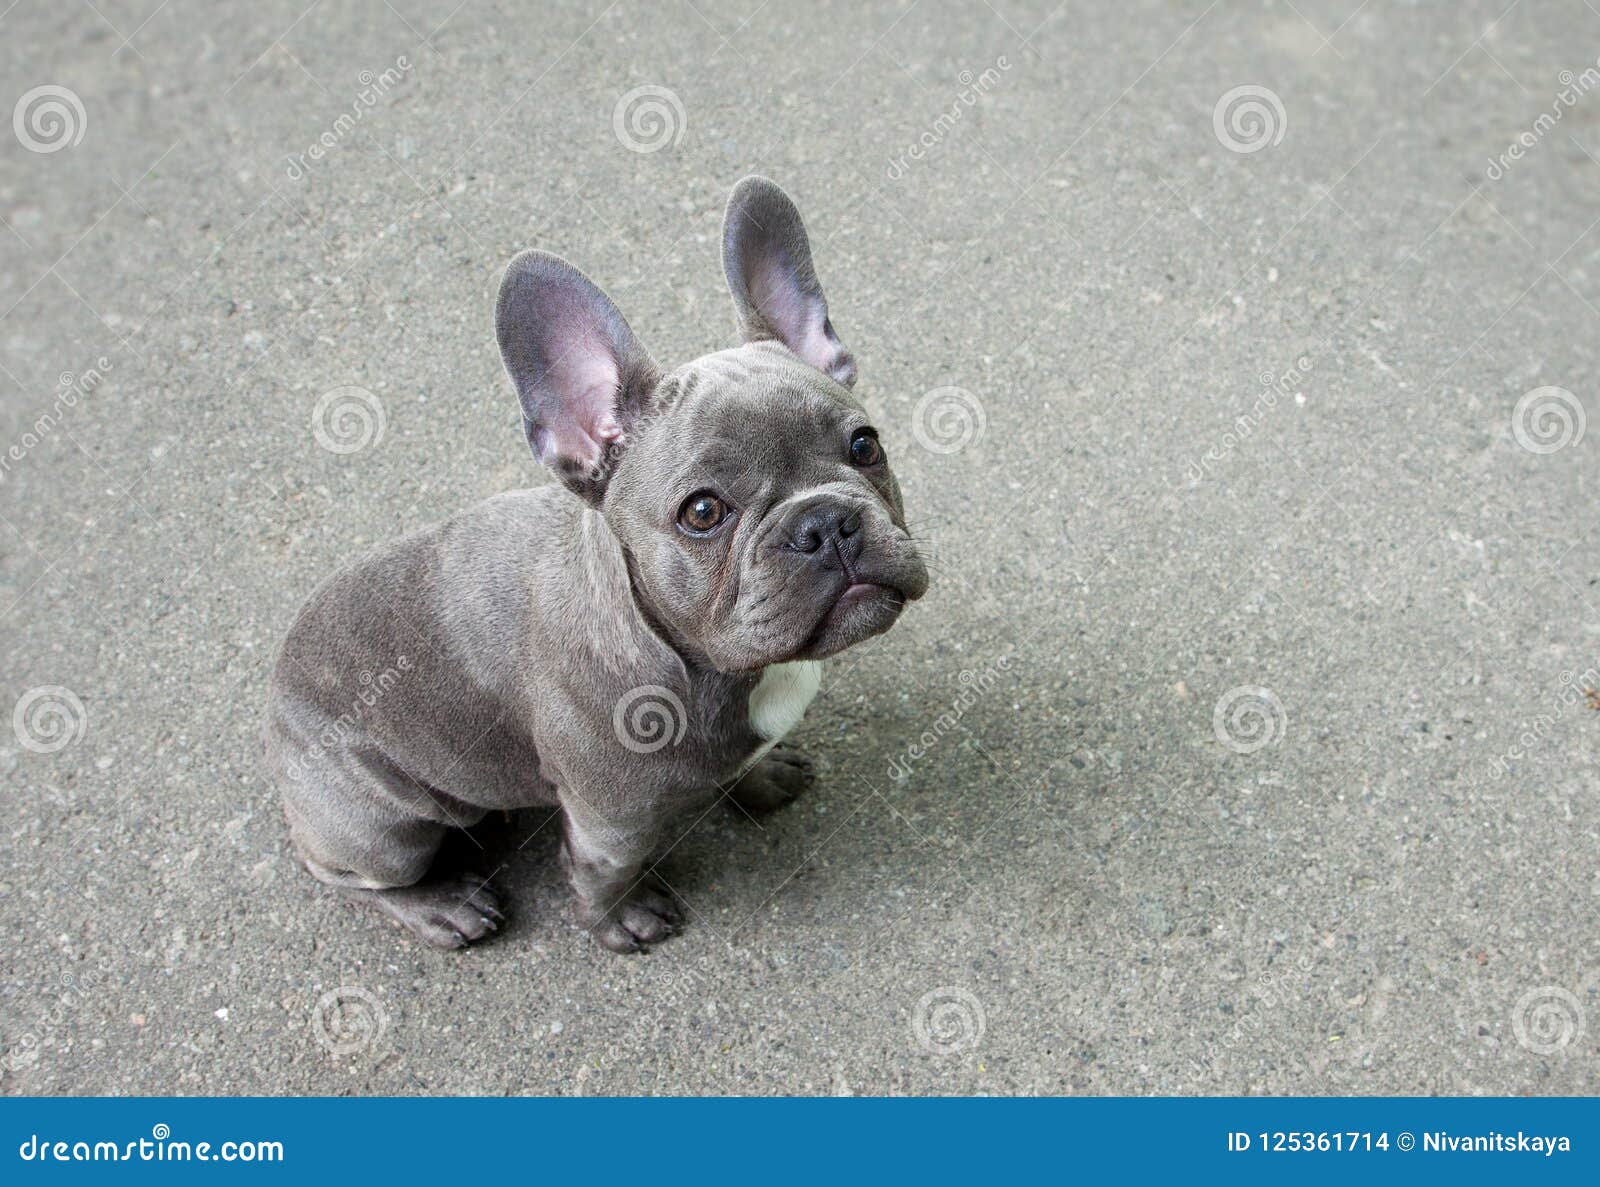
(818, 525)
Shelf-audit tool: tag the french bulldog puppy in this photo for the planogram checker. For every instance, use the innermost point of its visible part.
(627, 645)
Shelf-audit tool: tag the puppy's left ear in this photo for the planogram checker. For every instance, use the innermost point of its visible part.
(767, 259)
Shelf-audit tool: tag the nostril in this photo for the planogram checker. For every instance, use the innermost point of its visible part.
(807, 540)
(821, 524)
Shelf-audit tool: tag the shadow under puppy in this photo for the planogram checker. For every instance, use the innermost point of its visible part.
(627, 649)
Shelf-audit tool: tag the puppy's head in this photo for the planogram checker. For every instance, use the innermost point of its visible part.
(749, 489)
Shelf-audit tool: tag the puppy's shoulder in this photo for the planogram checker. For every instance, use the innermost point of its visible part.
(515, 523)
(532, 506)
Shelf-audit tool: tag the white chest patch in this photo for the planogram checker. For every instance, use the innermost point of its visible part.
(779, 700)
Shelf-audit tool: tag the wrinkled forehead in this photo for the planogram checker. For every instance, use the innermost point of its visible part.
(757, 398)
(759, 372)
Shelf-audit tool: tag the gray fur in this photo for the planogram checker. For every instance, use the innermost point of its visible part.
(492, 661)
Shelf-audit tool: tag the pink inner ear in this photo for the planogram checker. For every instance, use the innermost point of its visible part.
(586, 375)
(796, 318)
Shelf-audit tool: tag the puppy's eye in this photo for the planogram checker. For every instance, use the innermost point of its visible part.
(864, 448)
(702, 511)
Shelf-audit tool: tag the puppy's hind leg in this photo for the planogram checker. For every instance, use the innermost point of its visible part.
(449, 911)
(392, 875)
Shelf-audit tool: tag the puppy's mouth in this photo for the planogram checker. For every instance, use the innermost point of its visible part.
(862, 609)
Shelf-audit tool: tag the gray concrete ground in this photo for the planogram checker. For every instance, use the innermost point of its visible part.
(1242, 745)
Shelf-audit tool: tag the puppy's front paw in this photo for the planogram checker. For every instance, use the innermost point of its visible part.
(647, 916)
(774, 781)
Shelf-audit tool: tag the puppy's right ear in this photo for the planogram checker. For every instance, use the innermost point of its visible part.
(766, 257)
(582, 377)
